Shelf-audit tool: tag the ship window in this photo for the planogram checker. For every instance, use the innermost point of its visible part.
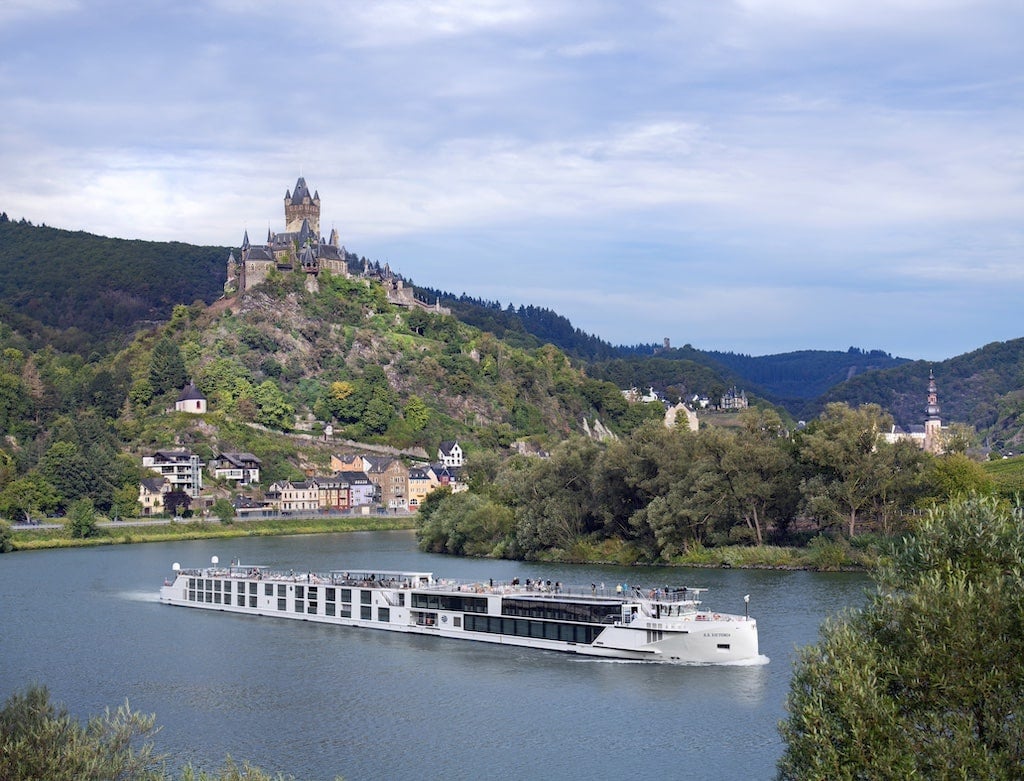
(401, 600)
(330, 609)
(227, 586)
(191, 582)
(300, 592)
(282, 604)
(300, 606)
(216, 586)
(280, 590)
(209, 596)
(216, 597)
(330, 594)
(192, 596)
(252, 588)
(723, 646)
(457, 621)
(241, 600)
(346, 612)
(364, 612)
(311, 607)
(346, 595)
(268, 589)
(551, 631)
(536, 629)
(383, 614)
(365, 596)
(252, 601)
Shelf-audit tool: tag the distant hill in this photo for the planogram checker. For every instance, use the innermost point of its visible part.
(983, 388)
(88, 294)
(79, 290)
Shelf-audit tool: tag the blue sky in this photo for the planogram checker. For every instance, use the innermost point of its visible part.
(758, 176)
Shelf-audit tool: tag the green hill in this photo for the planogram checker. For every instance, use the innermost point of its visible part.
(78, 291)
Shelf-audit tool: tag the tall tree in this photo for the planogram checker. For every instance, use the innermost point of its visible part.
(928, 680)
(841, 448)
(166, 366)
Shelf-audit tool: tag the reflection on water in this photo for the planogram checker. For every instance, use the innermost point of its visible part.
(318, 701)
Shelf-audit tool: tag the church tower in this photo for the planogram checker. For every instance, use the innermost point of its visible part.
(932, 424)
(299, 206)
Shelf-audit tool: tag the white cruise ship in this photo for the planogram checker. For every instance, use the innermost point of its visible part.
(656, 624)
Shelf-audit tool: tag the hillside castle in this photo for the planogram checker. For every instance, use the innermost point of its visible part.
(302, 247)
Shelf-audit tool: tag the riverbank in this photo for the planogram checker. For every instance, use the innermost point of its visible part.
(123, 534)
(823, 554)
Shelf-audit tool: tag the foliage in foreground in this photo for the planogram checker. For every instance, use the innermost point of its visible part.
(39, 740)
(928, 680)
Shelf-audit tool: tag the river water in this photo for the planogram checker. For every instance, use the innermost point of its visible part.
(318, 702)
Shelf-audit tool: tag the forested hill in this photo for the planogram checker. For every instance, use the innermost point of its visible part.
(76, 290)
(527, 326)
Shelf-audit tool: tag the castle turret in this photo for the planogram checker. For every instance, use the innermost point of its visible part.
(299, 206)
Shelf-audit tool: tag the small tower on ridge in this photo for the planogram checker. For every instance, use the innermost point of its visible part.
(932, 424)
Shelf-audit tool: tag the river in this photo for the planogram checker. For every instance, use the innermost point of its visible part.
(318, 702)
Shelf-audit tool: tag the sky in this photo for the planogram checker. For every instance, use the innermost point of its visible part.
(752, 176)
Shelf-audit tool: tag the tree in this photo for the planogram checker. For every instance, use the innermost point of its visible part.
(81, 521)
(928, 680)
(223, 510)
(841, 448)
(417, 413)
(166, 366)
(28, 496)
(39, 740)
(273, 409)
(6, 546)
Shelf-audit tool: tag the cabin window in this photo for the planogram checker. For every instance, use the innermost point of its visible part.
(252, 601)
(365, 597)
(268, 589)
(240, 600)
(300, 592)
(346, 595)
(457, 621)
(329, 608)
(227, 586)
(282, 604)
(364, 612)
(280, 590)
(383, 614)
(346, 611)
(252, 588)
(330, 594)
(192, 583)
(191, 596)
(300, 606)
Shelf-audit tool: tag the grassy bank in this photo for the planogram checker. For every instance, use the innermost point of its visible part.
(823, 554)
(112, 534)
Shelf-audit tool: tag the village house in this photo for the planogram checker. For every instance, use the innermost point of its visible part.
(287, 496)
(422, 481)
(332, 492)
(734, 399)
(450, 454)
(242, 468)
(391, 477)
(182, 469)
(361, 489)
(151, 495)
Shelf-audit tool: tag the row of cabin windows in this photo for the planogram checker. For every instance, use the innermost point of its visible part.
(218, 592)
(543, 630)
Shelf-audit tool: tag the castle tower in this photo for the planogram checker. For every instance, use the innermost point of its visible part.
(932, 424)
(299, 206)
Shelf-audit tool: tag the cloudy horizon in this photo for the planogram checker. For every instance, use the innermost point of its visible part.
(754, 176)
